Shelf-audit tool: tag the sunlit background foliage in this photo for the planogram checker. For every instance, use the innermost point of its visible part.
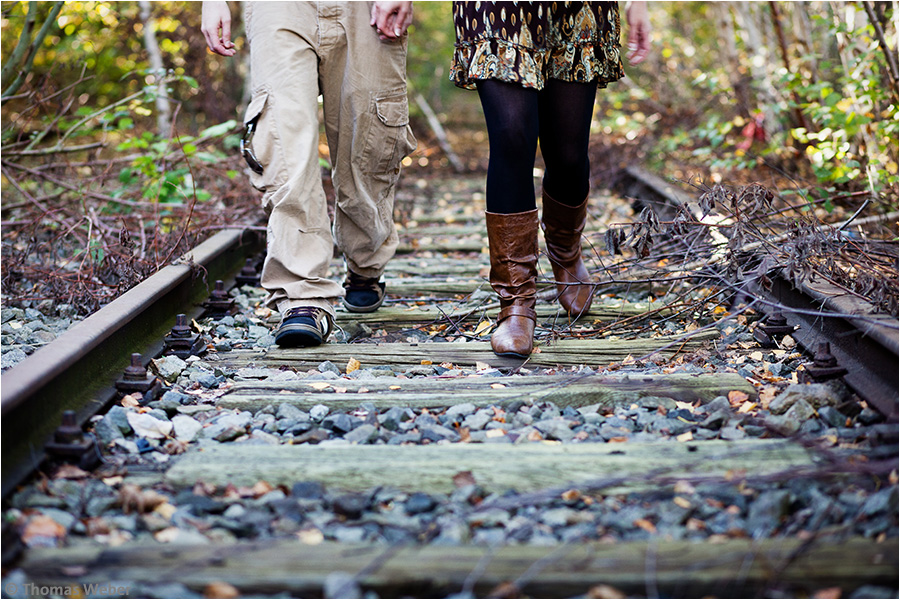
(805, 88)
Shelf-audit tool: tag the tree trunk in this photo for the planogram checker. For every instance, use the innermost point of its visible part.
(163, 108)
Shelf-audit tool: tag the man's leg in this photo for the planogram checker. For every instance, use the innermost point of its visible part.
(367, 124)
(284, 113)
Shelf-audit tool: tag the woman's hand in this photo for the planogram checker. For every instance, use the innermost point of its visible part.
(638, 31)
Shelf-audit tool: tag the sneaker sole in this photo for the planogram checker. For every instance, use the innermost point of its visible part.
(298, 336)
(363, 309)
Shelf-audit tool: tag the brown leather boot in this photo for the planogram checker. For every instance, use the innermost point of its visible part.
(562, 227)
(514, 252)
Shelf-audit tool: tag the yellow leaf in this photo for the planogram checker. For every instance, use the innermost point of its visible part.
(497, 386)
(352, 365)
(685, 437)
(682, 502)
(394, 387)
(166, 510)
(425, 362)
(684, 405)
(484, 327)
(747, 407)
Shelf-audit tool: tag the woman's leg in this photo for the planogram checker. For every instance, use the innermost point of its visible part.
(565, 111)
(565, 122)
(511, 115)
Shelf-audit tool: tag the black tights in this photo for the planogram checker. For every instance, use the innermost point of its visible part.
(517, 117)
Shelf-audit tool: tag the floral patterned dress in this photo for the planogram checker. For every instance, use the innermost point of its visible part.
(529, 42)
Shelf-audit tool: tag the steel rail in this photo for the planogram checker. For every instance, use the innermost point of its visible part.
(77, 371)
(863, 342)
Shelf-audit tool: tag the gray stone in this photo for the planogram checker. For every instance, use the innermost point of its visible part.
(186, 428)
(168, 367)
(319, 412)
(106, 431)
(419, 502)
(557, 429)
(460, 410)
(362, 434)
(436, 433)
(732, 432)
(12, 358)
(289, 411)
(329, 367)
(477, 420)
(832, 416)
(815, 394)
(766, 512)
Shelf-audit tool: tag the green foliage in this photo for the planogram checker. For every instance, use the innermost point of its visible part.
(161, 169)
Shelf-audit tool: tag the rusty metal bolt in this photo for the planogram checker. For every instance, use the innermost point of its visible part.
(135, 372)
(181, 328)
(823, 357)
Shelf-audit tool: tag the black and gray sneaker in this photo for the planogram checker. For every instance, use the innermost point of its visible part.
(363, 294)
(303, 326)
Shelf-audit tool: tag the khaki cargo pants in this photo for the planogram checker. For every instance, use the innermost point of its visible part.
(299, 50)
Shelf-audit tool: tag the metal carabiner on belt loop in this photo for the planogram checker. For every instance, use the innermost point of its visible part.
(247, 150)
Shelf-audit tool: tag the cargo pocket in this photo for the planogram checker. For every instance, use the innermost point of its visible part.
(390, 138)
(258, 141)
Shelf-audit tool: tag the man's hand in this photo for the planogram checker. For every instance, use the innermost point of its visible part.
(215, 23)
(391, 19)
(638, 31)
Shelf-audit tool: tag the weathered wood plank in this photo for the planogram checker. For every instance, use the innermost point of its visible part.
(729, 569)
(563, 390)
(497, 467)
(392, 317)
(559, 353)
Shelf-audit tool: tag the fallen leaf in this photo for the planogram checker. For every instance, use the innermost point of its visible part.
(353, 365)
(788, 342)
(43, 531)
(484, 327)
(497, 386)
(394, 387)
(481, 366)
(133, 499)
(493, 433)
(737, 397)
(535, 436)
(757, 356)
(149, 427)
(682, 502)
(685, 437)
(70, 472)
(684, 405)
(628, 360)
(129, 401)
(261, 488)
(747, 407)
(340, 390)
(310, 537)
(645, 525)
(463, 478)
(571, 495)
(220, 589)
(166, 510)
(464, 435)
(319, 385)
(425, 362)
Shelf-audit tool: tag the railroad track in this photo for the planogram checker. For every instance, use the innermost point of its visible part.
(404, 458)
